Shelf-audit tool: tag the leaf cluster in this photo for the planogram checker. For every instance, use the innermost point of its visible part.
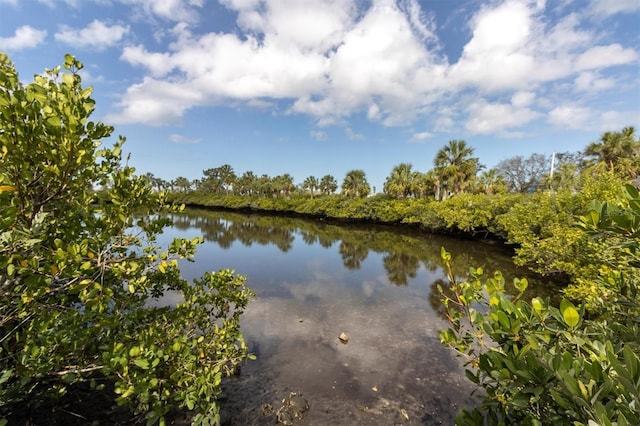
(80, 268)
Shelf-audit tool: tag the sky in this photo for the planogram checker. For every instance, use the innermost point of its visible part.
(316, 87)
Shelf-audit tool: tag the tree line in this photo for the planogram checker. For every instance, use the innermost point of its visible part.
(456, 171)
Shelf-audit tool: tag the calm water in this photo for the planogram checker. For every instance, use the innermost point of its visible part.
(314, 281)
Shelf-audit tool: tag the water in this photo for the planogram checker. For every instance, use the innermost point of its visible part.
(314, 281)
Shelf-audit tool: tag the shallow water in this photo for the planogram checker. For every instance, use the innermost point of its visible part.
(314, 281)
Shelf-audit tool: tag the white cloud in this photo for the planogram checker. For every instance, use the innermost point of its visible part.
(420, 136)
(485, 118)
(592, 82)
(315, 25)
(52, 3)
(609, 7)
(333, 58)
(497, 57)
(612, 120)
(444, 124)
(570, 116)
(158, 64)
(24, 37)
(183, 140)
(156, 103)
(605, 56)
(352, 135)
(96, 35)
(373, 112)
(173, 10)
(422, 24)
(522, 98)
(11, 2)
(578, 117)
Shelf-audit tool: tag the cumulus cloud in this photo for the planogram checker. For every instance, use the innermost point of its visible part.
(24, 37)
(605, 56)
(156, 103)
(522, 98)
(570, 116)
(333, 58)
(573, 116)
(96, 35)
(592, 82)
(486, 118)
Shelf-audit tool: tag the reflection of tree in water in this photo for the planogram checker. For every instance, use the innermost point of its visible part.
(353, 254)
(435, 297)
(216, 230)
(182, 222)
(403, 249)
(325, 241)
(400, 267)
(309, 238)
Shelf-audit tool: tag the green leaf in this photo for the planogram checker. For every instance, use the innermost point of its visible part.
(521, 284)
(504, 320)
(190, 404)
(142, 363)
(569, 313)
(537, 305)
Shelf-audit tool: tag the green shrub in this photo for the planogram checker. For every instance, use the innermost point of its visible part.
(78, 268)
(540, 364)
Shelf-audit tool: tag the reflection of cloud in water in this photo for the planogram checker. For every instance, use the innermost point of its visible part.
(393, 340)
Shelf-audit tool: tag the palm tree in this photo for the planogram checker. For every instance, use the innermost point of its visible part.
(400, 181)
(264, 185)
(619, 151)
(420, 184)
(182, 183)
(283, 184)
(566, 177)
(455, 166)
(432, 179)
(311, 184)
(328, 184)
(492, 182)
(355, 184)
(227, 177)
(246, 184)
(157, 183)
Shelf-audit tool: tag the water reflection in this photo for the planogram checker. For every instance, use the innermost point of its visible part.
(315, 280)
(403, 252)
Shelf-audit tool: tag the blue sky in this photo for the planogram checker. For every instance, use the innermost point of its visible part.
(315, 87)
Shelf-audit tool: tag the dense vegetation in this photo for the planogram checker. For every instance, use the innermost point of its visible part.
(77, 271)
(543, 364)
